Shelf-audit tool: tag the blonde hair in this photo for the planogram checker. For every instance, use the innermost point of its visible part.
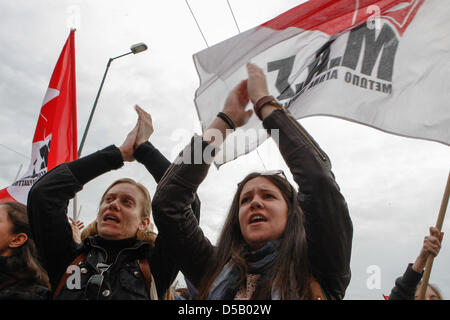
(146, 235)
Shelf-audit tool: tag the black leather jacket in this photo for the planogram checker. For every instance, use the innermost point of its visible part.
(122, 281)
(406, 285)
(47, 211)
(327, 221)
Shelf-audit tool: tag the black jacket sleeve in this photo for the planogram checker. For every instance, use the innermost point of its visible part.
(164, 268)
(157, 164)
(47, 207)
(328, 225)
(174, 215)
(406, 285)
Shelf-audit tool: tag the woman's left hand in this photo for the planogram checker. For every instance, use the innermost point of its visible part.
(127, 147)
(235, 105)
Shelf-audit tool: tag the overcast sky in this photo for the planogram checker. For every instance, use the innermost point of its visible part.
(393, 185)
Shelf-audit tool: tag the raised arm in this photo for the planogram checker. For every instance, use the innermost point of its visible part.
(327, 221)
(406, 285)
(147, 154)
(172, 208)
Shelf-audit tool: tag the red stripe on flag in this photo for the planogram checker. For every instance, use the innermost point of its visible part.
(330, 16)
(5, 196)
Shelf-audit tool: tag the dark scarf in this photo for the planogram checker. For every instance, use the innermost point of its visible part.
(226, 285)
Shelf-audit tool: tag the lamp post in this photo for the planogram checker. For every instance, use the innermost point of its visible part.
(135, 48)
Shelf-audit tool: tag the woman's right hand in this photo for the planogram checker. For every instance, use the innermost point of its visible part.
(431, 245)
(257, 83)
(145, 127)
(127, 147)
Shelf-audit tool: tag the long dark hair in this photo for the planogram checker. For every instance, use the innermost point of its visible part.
(26, 254)
(290, 272)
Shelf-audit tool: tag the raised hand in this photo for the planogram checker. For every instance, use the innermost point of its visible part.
(431, 245)
(145, 129)
(127, 147)
(257, 83)
(235, 105)
(76, 226)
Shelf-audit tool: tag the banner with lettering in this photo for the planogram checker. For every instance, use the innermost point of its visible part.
(55, 137)
(384, 64)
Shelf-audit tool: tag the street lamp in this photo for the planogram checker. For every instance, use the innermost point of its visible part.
(135, 48)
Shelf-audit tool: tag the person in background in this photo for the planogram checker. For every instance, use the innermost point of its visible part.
(276, 243)
(407, 286)
(21, 274)
(121, 258)
(432, 293)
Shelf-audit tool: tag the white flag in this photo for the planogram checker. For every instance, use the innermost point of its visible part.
(385, 64)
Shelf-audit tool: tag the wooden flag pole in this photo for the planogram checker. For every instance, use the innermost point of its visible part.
(75, 210)
(440, 221)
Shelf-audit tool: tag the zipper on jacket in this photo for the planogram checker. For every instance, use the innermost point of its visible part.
(98, 247)
(300, 129)
(124, 249)
(103, 272)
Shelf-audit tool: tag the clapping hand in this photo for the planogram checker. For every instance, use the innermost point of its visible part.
(140, 134)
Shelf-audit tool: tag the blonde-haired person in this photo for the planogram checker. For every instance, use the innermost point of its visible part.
(407, 286)
(21, 274)
(121, 258)
(432, 292)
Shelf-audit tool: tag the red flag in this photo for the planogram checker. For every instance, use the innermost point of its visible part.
(55, 137)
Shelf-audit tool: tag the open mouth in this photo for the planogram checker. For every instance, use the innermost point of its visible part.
(111, 218)
(256, 219)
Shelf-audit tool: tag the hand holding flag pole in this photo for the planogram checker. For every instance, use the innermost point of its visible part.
(440, 221)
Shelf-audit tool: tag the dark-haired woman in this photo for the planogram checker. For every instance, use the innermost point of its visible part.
(21, 275)
(276, 243)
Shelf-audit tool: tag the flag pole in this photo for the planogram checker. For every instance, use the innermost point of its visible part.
(439, 223)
